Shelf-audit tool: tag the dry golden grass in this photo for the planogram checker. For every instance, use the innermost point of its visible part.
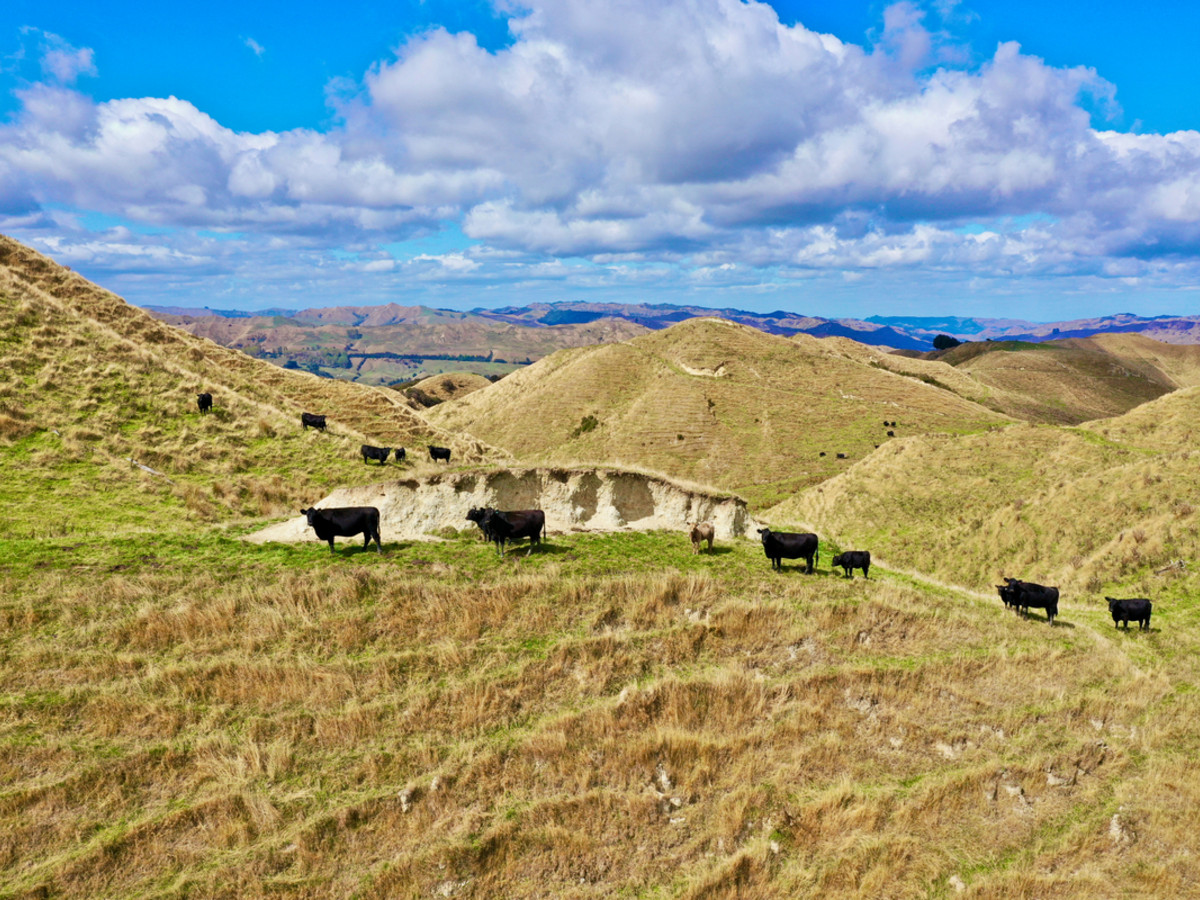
(366, 730)
(710, 401)
(451, 385)
(98, 394)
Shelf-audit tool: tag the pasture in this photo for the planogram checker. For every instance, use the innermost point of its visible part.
(191, 715)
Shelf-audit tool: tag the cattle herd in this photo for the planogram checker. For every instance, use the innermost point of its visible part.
(503, 526)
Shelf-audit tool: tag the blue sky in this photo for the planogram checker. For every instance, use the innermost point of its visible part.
(974, 158)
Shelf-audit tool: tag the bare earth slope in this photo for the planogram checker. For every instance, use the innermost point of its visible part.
(711, 401)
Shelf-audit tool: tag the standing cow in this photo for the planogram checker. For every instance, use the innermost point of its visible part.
(345, 521)
(379, 453)
(1026, 594)
(400, 454)
(436, 453)
(502, 527)
(781, 545)
(854, 559)
(1135, 609)
(204, 401)
(700, 532)
(311, 420)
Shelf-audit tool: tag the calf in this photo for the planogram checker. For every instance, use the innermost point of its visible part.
(854, 559)
(502, 527)
(345, 521)
(781, 545)
(309, 420)
(436, 453)
(204, 401)
(400, 454)
(1026, 594)
(1137, 609)
(379, 453)
(702, 531)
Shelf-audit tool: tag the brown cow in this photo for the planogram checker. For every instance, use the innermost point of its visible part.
(702, 531)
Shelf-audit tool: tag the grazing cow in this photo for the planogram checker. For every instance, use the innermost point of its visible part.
(854, 559)
(841, 456)
(436, 453)
(309, 420)
(891, 433)
(1137, 609)
(476, 514)
(379, 453)
(345, 521)
(502, 527)
(702, 531)
(204, 401)
(400, 454)
(822, 452)
(781, 545)
(1026, 594)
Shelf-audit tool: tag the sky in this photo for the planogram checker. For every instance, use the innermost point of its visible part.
(923, 157)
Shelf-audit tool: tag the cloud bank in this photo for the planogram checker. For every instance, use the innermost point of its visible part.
(699, 139)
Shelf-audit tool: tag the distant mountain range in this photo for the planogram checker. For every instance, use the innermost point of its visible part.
(899, 332)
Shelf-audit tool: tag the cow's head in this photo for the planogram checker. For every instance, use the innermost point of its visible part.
(475, 514)
(764, 533)
(310, 514)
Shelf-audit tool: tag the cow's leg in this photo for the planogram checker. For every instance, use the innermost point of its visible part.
(331, 545)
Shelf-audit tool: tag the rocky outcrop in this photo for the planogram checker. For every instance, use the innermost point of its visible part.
(582, 499)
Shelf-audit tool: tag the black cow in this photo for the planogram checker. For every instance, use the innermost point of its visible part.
(204, 401)
(502, 527)
(1137, 609)
(400, 454)
(854, 559)
(891, 433)
(781, 545)
(476, 515)
(379, 453)
(345, 521)
(310, 420)
(1008, 594)
(841, 456)
(436, 453)
(1026, 594)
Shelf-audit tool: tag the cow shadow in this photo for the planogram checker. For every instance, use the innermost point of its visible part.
(715, 551)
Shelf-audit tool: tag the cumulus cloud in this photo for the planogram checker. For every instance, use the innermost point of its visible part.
(739, 144)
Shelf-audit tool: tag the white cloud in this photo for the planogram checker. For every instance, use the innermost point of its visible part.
(738, 142)
(255, 47)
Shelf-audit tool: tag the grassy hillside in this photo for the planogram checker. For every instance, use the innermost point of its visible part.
(440, 388)
(96, 390)
(1103, 506)
(197, 717)
(711, 401)
(184, 714)
(1071, 381)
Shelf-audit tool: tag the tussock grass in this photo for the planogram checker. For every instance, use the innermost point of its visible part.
(202, 716)
(95, 383)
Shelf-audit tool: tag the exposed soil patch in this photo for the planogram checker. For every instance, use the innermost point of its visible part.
(573, 499)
